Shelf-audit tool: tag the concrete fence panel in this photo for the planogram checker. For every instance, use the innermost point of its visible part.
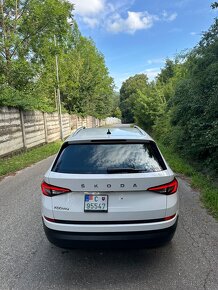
(79, 122)
(53, 127)
(66, 125)
(27, 129)
(34, 128)
(11, 138)
(74, 121)
(89, 122)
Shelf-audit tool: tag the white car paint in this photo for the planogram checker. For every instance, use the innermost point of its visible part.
(128, 197)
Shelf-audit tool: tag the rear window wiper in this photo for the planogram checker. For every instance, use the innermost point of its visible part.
(125, 170)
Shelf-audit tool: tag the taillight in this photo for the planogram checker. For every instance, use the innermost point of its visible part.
(50, 190)
(167, 188)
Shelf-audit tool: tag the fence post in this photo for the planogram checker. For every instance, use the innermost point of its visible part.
(23, 129)
(45, 127)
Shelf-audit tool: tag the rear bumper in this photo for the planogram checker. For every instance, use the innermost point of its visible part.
(151, 238)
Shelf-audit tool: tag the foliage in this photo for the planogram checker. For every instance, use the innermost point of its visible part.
(181, 106)
(27, 60)
(147, 108)
(117, 113)
(209, 191)
(129, 93)
(195, 103)
(214, 5)
(140, 102)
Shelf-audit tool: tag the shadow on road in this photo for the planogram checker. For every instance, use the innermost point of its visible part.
(101, 269)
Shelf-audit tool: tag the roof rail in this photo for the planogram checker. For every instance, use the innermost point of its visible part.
(139, 129)
(78, 130)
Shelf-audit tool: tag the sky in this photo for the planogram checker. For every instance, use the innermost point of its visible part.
(136, 36)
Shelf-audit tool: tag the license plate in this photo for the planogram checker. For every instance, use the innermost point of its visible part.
(96, 203)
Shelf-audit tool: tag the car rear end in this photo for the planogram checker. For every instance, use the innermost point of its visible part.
(104, 191)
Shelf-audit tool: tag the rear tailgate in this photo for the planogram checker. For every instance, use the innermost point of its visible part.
(127, 196)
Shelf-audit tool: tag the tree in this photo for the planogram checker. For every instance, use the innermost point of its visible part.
(129, 93)
(196, 101)
(27, 29)
(27, 60)
(147, 108)
(190, 119)
(87, 87)
(214, 5)
(140, 101)
(167, 72)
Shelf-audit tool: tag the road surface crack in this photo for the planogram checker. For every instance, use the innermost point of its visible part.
(195, 243)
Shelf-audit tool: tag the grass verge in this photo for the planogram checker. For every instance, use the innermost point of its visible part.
(209, 192)
(24, 159)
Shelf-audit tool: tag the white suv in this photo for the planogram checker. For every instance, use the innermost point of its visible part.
(109, 186)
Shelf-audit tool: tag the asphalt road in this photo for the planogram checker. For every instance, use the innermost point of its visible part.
(29, 261)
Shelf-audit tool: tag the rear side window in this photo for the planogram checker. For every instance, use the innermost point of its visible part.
(109, 158)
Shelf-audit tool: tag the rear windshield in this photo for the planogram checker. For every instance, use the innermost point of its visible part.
(109, 158)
